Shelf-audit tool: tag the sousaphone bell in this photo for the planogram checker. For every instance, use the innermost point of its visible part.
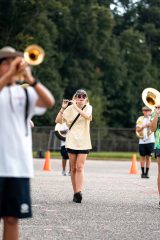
(151, 97)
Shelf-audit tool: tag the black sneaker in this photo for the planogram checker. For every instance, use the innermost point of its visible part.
(147, 175)
(143, 175)
(74, 198)
(77, 197)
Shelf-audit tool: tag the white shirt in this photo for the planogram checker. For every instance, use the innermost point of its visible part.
(15, 146)
(142, 121)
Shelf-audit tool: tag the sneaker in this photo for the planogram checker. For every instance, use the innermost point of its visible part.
(77, 197)
(64, 173)
(143, 175)
(69, 173)
(147, 175)
(74, 198)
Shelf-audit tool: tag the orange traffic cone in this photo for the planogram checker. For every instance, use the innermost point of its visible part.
(47, 163)
(134, 169)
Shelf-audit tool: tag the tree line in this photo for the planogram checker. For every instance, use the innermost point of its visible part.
(109, 48)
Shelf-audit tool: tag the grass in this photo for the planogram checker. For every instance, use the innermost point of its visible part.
(101, 155)
(112, 155)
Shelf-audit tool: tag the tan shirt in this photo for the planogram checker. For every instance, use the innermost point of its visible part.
(78, 137)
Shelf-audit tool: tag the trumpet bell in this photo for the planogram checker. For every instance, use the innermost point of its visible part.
(34, 55)
(151, 97)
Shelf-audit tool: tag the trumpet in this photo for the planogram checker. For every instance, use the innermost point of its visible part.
(34, 55)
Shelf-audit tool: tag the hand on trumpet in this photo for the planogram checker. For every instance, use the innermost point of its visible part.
(21, 70)
(27, 75)
(15, 67)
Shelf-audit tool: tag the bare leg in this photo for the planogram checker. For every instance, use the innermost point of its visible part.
(72, 158)
(148, 161)
(63, 165)
(69, 166)
(80, 171)
(142, 161)
(10, 228)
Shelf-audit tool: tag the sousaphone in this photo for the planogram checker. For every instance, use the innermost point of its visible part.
(151, 97)
(60, 131)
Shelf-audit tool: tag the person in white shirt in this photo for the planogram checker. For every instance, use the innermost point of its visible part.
(18, 106)
(146, 141)
(64, 152)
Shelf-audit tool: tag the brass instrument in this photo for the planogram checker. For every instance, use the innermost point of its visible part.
(144, 132)
(140, 134)
(34, 55)
(151, 97)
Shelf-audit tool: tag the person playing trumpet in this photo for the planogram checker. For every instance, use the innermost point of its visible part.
(18, 106)
(146, 141)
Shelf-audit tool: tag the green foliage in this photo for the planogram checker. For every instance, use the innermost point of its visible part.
(113, 54)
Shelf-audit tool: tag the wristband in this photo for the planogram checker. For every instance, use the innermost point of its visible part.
(34, 83)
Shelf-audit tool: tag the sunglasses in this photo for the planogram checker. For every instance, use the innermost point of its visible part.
(158, 107)
(81, 96)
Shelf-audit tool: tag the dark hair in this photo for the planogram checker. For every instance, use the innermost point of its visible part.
(2, 59)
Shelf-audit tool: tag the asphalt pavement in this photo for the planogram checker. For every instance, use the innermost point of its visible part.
(116, 205)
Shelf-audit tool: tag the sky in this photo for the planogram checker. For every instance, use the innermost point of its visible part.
(119, 7)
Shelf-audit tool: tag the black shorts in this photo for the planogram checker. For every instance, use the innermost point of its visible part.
(64, 153)
(146, 149)
(77, 151)
(156, 153)
(15, 198)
